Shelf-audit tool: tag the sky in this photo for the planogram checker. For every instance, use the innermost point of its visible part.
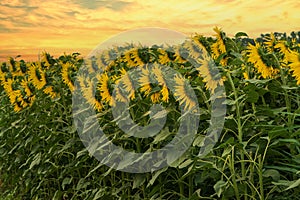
(29, 27)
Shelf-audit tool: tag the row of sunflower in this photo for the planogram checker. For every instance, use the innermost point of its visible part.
(198, 58)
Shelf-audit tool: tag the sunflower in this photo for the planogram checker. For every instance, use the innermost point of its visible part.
(196, 39)
(65, 75)
(136, 57)
(155, 97)
(45, 59)
(209, 73)
(193, 49)
(49, 91)
(219, 47)
(24, 83)
(16, 69)
(283, 48)
(181, 94)
(11, 93)
(270, 42)
(37, 76)
(255, 58)
(145, 82)
(87, 90)
(295, 65)
(2, 75)
(161, 81)
(178, 55)
(163, 57)
(131, 57)
(127, 82)
(104, 89)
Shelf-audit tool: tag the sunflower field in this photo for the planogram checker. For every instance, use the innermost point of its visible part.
(257, 155)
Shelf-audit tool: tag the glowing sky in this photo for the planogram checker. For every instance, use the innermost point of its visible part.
(28, 27)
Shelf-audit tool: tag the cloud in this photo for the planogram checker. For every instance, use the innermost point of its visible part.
(85, 23)
(115, 5)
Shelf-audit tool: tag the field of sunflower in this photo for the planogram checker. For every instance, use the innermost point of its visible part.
(257, 155)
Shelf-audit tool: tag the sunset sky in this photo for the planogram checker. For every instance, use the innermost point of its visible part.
(28, 27)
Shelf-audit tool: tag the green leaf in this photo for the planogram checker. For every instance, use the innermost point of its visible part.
(219, 187)
(294, 184)
(252, 96)
(138, 180)
(164, 134)
(66, 181)
(274, 174)
(36, 160)
(155, 176)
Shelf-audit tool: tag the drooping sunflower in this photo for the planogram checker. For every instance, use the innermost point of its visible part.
(155, 97)
(255, 58)
(163, 57)
(37, 76)
(161, 81)
(270, 42)
(65, 75)
(132, 58)
(294, 65)
(209, 73)
(49, 91)
(24, 83)
(103, 87)
(144, 81)
(283, 48)
(181, 94)
(219, 47)
(45, 59)
(128, 84)
(178, 55)
(87, 90)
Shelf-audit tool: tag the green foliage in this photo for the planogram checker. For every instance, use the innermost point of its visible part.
(257, 156)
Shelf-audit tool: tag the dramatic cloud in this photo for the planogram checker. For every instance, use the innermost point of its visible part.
(29, 26)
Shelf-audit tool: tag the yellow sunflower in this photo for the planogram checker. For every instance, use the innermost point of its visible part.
(295, 65)
(49, 91)
(37, 76)
(65, 75)
(163, 57)
(255, 58)
(205, 71)
(181, 94)
(104, 89)
(219, 47)
(144, 81)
